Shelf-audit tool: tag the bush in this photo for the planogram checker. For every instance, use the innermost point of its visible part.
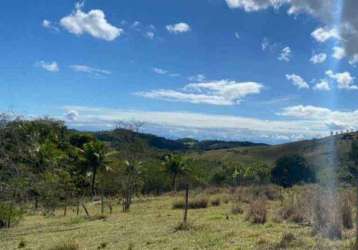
(286, 241)
(257, 212)
(215, 202)
(9, 215)
(22, 244)
(66, 246)
(291, 170)
(236, 209)
(196, 203)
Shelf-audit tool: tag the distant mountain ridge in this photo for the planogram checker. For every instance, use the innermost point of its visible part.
(118, 137)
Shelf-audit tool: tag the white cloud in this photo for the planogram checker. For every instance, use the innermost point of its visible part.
(297, 81)
(294, 123)
(346, 120)
(197, 78)
(318, 58)
(338, 53)
(222, 92)
(354, 59)
(178, 28)
(72, 115)
(344, 79)
(89, 70)
(160, 71)
(150, 34)
(322, 85)
(94, 23)
(237, 35)
(49, 66)
(253, 5)
(49, 25)
(322, 34)
(285, 54)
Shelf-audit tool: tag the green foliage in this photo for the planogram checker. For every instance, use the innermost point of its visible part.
(9, 214)
(291, 170)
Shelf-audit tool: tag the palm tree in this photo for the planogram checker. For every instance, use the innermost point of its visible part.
(174, 167)
(95, 155)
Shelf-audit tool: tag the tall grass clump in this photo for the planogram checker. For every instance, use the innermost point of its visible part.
(195, 203)
(257, 213)
(66, 246)
(346, 210)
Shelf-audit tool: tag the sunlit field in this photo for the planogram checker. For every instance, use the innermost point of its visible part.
(152, 223)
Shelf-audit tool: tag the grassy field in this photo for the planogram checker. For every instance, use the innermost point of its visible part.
(151, 224)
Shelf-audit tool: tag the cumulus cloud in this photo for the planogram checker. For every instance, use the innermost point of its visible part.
(318, 58)
(297, 81)
(49, 66)
(322, 85)
(338, 53)
(285, 54)
(89, 69)
(344, 80)
(346, 120)
(178, 28)
(72, 115)
(322, 34)
(326, 11)
(222, 92)
(93, 23)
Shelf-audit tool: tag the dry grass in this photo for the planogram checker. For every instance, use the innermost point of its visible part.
(151, 224)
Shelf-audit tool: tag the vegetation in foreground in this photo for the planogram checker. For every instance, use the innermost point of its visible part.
(62, 189)
(271, 218)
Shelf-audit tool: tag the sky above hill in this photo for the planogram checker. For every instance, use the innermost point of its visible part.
(260, 70)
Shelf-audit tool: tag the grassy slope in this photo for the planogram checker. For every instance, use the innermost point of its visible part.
(315, 151)
(150, 225)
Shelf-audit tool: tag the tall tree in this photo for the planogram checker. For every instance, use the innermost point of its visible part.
(173, 165)
(95, 154)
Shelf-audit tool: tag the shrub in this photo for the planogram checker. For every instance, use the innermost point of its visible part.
(66, 246)
(286, 241)
(236, 209)
(196, 203)
(215, 202)
(291, 170)
(9, 215)
(257, 212)
(22, 244)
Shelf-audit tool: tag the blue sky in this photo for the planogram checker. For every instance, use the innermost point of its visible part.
(260, 70)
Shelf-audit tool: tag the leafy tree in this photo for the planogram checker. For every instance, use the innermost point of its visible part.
(291, 170)
(173, 165)
(130, 182)
(95, 154)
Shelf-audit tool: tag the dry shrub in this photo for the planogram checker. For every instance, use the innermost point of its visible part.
(66, 246)
(286, 241)
(346, 211)
(196, 203)
(257, 213)
(215, 202)
(236, 209)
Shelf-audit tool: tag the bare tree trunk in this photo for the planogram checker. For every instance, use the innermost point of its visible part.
(186, 204)
(175, 183)
(102, 203)
(65, 210)
(93, 181)
(78, 208)
(86, 211)
(110, 207)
